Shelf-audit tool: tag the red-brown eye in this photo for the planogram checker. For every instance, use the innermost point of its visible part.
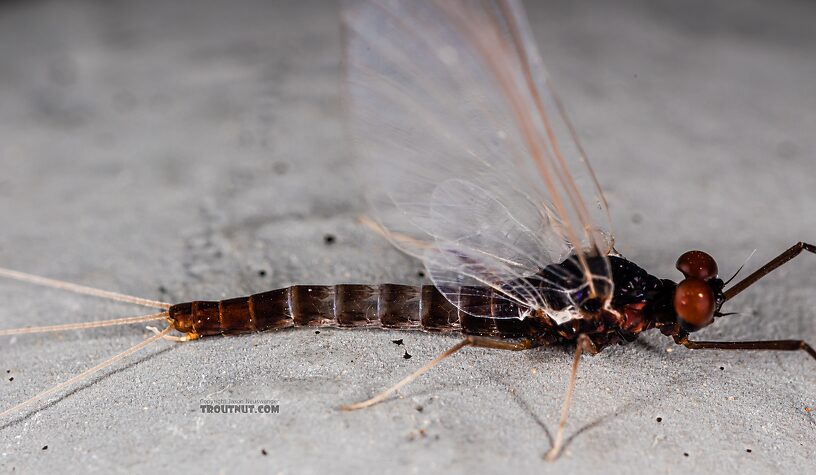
(694, 304)
(697, 264)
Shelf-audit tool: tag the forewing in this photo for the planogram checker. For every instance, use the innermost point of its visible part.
(469, 162)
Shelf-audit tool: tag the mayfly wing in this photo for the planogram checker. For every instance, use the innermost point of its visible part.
(499, 247)
(470, 163)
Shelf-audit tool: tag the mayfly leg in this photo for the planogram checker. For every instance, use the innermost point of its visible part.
(769, 345)
(775, 263)
(474, 341)
(584, 343)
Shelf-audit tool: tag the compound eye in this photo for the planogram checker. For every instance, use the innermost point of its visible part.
(697, 264)
(694, 304)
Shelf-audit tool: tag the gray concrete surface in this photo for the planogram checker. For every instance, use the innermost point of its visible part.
(174, 151)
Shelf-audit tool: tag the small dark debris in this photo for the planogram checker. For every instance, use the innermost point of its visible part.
(11, 378)
(8, 371)
(262, 273)
(317, 332)
(263, 452)
(420, 408)
(748, 450)
(397, 342)
(45, 447)
(162, 289)
(421, 274)
(659, 419)
(417, 434)
(280, 168)
(329, 239)
(722, 368)
(685, 454)
(406, 356)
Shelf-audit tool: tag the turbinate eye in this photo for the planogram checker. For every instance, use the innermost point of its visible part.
(694, 304)
(697, 264)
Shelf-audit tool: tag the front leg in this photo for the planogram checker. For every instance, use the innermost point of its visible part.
(775, 263)
(774, 345)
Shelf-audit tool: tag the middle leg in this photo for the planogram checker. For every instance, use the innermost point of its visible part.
(584, 344)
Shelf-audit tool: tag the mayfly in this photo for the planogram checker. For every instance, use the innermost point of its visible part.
(472, 167)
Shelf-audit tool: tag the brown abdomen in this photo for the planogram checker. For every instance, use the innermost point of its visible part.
(351, 306)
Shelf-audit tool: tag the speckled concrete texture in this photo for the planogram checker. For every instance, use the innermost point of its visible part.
(183, 150)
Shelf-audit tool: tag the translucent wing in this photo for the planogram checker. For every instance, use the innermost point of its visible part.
(470, 162)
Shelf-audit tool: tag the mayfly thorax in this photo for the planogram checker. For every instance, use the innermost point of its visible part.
(472, 167)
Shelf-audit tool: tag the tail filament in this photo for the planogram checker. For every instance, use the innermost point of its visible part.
(80, 289)
(85, 374)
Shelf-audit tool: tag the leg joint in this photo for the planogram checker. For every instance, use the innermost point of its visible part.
(496, 344)
(806, 246)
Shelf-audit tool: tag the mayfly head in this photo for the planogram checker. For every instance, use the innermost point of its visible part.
(699, 296)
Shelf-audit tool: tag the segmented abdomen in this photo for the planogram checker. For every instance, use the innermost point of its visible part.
(352, 306)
